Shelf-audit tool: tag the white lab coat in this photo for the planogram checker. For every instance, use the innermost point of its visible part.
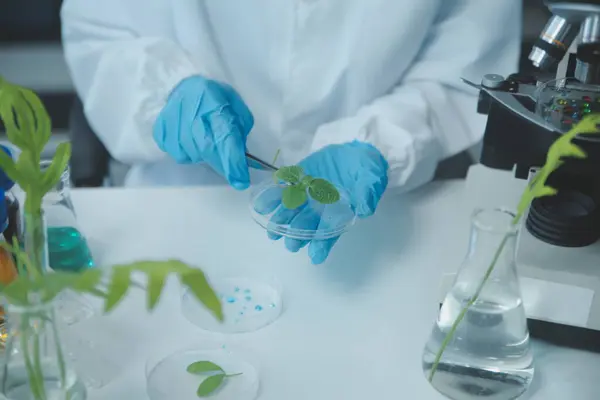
(313, 72)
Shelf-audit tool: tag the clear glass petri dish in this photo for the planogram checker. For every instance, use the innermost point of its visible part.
(167, 377)
(249, 304)
(311, 221)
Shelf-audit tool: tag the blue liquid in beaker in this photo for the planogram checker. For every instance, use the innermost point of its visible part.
(68, 250)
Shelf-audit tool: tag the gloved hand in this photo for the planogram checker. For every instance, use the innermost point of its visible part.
(206, 121)
(357, 168)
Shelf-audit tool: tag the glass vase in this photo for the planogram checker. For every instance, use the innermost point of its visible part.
(34, 365)
(68, 249)
(479, 346)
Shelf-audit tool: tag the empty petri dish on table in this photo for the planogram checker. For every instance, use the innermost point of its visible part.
(169, 378)
(248, 304)
(310, 221)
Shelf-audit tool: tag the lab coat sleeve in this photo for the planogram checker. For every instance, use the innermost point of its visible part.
(123, 67)
(431, 114)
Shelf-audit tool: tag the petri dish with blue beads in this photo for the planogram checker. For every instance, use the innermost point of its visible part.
(310, 221)
(248, 305)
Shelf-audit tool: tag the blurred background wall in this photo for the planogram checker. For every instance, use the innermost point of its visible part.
(31, 55)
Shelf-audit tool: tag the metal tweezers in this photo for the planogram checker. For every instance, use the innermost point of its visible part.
(262, 163)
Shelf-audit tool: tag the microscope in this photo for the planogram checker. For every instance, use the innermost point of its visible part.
(558, 251)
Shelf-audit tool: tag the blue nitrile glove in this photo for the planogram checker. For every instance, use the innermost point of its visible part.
(357, 168)
(206, 121)
(5, 182)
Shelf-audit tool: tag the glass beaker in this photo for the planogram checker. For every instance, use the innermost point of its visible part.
(479, 346)
(67, 246)
(34, 365)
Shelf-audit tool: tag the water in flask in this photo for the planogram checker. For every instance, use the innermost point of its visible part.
(488, 356)
(68, 248)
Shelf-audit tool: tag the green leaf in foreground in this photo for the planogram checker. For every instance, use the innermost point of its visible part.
(323, 191)
(200, 367)
(293, 197)
(210, 384)
(291, 174)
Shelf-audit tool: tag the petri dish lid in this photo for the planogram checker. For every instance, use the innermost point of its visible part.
(311, 221)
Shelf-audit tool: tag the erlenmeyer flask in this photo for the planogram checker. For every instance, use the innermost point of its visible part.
(67, 247)
(479, 346)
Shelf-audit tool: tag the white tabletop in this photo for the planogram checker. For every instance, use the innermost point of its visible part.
(353, 328)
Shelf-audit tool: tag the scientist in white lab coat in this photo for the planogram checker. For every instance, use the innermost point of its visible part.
(364, 93)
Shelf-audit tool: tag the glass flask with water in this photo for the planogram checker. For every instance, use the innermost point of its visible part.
(479, 346)
(67, 247)
(34, 366)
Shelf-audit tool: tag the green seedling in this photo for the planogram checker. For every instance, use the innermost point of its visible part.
(215, 379)
(563, 148)
(298, 187)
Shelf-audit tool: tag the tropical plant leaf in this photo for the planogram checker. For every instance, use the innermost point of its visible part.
(8, 165)
(200, 367)
(59, 163)
(156, 283)
(117, 287)
(293, 197)
(291, 174)
(210, 384)
(323, 191)
(42, 125)
(198, 285)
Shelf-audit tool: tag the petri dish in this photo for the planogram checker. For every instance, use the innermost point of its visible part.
(311, 221)
(249, 304)
(168, 378)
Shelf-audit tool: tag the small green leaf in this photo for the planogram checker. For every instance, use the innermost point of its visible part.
(323, 191)
(196, 281)
(156, 283)
(291, 174)
(306, 181)
(10, 168)
(117, 288)
(210, 384)
(43, 129)
(293, 197)
(57, 167)
(200, 367)
(29, 168)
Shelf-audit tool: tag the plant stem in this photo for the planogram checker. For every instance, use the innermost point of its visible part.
(59, 354)
(232, 375)
(463, 312)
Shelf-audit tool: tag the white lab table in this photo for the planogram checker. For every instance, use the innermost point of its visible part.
(353, 328)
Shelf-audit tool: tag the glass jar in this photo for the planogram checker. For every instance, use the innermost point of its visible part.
(67, 246)
(34, 365)
(479, 346)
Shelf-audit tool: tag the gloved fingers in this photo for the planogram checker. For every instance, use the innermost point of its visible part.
(332, 220)
(319, 250)
(283, 216)
(366, 197)
(308, 219)
(166, 131)
(240, 109)
(268, 201)
(230, 145)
